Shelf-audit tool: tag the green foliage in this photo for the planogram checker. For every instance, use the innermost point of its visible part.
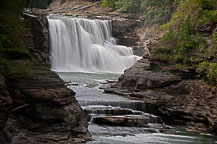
(15, 69)
(209, 11)
(158, 11)
(165, 26)
(11, 27)
(208, 69)
(198, 12)
(209, 17)
(215, 37)
(206, 4)
(154, 11)
(183, 48)
(181, 43)
(38, 3)
(12, 47)
(109, 3)
(131, 6)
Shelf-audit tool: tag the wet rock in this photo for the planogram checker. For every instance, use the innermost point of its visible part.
(138, 50)
(44, 111)
(37, 41)
(215, 128)
(4, 94)
(133, 105)
(124, 30)
(125, 120)
(107, 110)
(141, 78)
(162, 128)
(94, 111)
(178, 102)
(122, 25)
(5, 101)
(39, 108)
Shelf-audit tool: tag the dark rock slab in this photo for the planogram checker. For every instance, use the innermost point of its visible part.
(39, 108)
(37, 39)
(124, 120)
(44, 110)
(4, 94)
(5, 101)
(140, 77)
(107, 110)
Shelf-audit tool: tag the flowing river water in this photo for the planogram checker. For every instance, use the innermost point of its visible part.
(79, 45)
(94, 101)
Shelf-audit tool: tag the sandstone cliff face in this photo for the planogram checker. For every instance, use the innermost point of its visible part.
(39, 108)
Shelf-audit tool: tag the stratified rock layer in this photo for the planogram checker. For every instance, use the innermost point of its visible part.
(124, 120)
(38, 107)
(140, 78)
(43, 111)
(178, 102)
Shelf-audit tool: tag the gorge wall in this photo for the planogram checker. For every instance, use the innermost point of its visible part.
(40, 109)
(170, 89)
(37, 107)
(172, 78)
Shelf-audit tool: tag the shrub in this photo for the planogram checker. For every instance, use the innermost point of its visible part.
(183, 42)
(131, 6)
(13, 51)
(108, 3)
(154, 11)
(209, 17)
(209, 70)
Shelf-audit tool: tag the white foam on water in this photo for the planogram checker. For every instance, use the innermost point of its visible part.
(83, 45)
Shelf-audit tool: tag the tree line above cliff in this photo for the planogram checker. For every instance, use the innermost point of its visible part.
(154, 11)
(189, 44)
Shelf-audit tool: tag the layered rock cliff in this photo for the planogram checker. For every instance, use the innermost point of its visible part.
(176, 78)
(38, 107)
(189, 103)
(177, 94)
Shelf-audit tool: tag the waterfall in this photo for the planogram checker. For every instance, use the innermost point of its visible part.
(79, 44)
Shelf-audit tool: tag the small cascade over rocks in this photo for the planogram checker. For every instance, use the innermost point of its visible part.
(79, 44)
(134, 105)
(97, 111)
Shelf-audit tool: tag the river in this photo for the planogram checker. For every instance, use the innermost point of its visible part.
(79, 45)
(93, 100)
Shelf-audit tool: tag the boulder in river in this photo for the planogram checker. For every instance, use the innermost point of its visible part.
(123, 120)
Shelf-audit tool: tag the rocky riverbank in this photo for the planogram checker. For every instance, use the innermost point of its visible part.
(41, 110)
(178, 101)
(38, 107)
(189, 103)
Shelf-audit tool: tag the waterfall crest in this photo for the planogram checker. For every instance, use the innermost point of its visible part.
(79, 44)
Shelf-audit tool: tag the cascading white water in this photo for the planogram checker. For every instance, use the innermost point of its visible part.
(79, 44)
